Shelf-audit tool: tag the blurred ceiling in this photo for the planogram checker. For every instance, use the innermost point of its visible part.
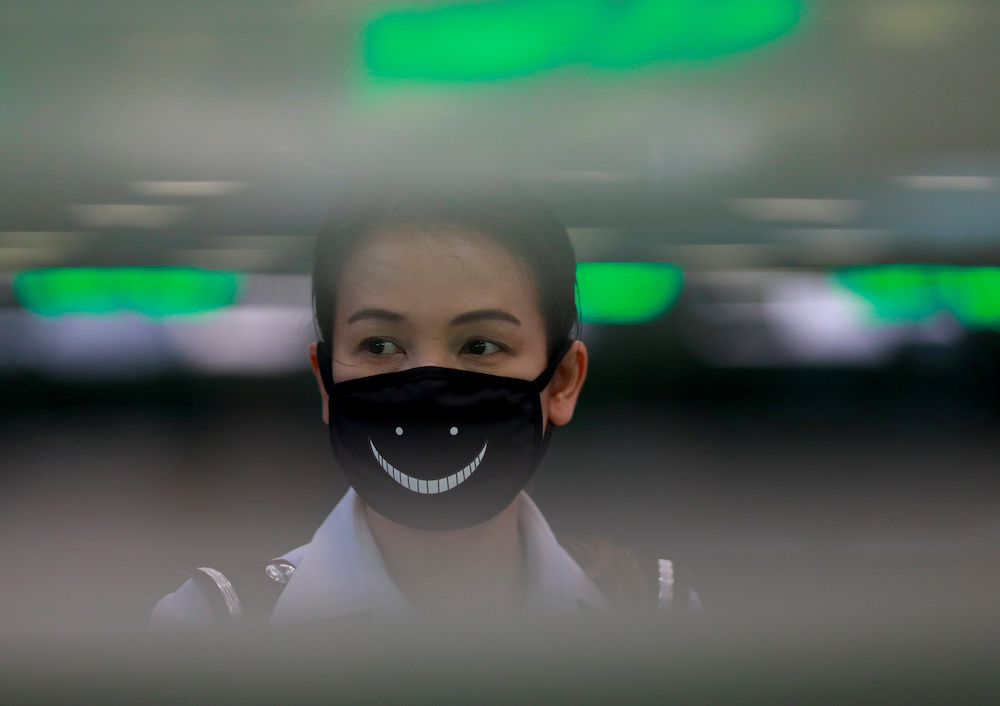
(218, 134)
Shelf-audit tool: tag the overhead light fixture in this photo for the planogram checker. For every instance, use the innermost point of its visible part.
(913, 293)
(155, 292)
(798, 210)
(917, 23)
(594, 233)
(835, 246)
(46, 238)
(627, 292)
(29, 249)
(832, 234)
(477, 41)
(225, 259)
(724, 256)
(644, 31)
(585, 176)
(897, 294)
(13, 259)
(127, 215)
(187, 188)
(972, 294)
(260, 242)
(951, 183)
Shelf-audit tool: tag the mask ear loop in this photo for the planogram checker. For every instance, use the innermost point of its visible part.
(542, 381)
(325, 362)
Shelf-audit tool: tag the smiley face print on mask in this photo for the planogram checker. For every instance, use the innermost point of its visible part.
(434, 485)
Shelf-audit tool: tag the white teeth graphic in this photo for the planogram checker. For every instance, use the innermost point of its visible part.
(428, 487)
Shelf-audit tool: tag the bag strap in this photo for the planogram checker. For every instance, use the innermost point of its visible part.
(250, 591)
(674, 589)
(628, 583)
(244, 591)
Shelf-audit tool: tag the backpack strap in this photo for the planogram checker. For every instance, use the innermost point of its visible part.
(628, 583)
(252, 590)
(615, 570)
(675, 594)
(665, 597)
(245, 590)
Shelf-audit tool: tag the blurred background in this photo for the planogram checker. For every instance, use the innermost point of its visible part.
(787, 214)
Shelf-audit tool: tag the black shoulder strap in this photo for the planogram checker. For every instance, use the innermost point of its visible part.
(244, 590)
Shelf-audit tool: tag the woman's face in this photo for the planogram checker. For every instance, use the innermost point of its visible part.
(412, 297)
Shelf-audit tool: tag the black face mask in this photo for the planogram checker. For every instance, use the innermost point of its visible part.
(438, 448)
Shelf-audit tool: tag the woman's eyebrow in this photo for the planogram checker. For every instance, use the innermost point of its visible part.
(484, 315)
(377, 314)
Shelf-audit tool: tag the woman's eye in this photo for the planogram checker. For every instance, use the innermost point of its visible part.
(380, 346)
(481, 347)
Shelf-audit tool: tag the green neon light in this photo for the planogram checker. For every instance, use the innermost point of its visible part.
(645, 31)
(626, 292)
(903, 294)
(478, 41)
(972, 295)
(154, 292)
(898, 294)
(493, 40)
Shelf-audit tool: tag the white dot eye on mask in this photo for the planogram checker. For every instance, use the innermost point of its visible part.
(399, 431)
(453, 431)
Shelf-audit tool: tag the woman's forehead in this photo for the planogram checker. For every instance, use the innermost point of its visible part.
(450, 266)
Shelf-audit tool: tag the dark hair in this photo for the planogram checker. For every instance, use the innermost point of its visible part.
(506, 213)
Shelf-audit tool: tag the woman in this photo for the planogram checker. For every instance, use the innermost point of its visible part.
(446, 358)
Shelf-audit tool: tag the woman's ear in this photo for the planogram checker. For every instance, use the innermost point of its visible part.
(314, 361)
(564, 389)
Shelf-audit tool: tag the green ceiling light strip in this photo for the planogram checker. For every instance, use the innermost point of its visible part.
(972, 294)
(896, 294)
(627, 292)
(478, 41)
(645, 31)
(154, 292)
(906, 294)
(495, 40)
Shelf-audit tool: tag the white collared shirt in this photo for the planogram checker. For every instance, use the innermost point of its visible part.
(341, 573)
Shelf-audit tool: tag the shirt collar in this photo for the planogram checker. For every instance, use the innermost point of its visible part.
(342, 572)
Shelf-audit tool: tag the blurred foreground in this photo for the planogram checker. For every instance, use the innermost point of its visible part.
(796, 659)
